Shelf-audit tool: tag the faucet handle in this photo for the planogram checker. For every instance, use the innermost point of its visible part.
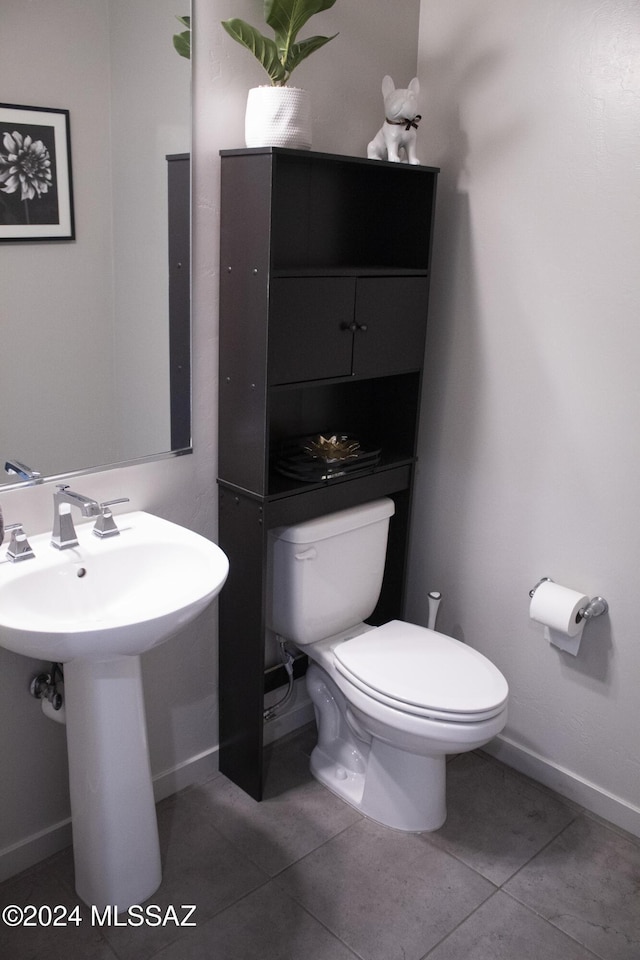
(105, 525)
(19, 547)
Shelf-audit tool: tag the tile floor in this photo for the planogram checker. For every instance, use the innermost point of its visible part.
(516, 873)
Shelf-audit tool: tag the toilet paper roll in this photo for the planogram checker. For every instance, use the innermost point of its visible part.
(558, 609)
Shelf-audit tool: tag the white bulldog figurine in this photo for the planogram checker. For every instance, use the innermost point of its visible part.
(397, 135)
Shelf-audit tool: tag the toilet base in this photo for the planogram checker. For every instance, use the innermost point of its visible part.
(346, 784)
(404, 790)
(395, 787)
(399, 789)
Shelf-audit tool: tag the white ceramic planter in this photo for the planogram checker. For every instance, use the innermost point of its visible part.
(278, 117)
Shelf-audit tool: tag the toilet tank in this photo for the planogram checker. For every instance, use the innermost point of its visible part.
(326, 574)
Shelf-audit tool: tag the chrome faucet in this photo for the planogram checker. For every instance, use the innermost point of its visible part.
(63, 534)
(22, 470)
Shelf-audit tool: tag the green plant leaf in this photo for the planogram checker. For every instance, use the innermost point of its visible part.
(287, 17)
(182, 43)
(300, 51)
(263, 49)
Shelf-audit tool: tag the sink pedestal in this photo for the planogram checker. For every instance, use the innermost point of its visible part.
(115, 832)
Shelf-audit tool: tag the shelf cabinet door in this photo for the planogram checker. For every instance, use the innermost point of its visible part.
(390, 319)
(322, 327)
(310, 328)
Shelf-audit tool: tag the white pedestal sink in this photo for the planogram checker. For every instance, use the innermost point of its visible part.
(96, 608)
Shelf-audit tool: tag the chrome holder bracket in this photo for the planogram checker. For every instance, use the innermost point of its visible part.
(596, 607)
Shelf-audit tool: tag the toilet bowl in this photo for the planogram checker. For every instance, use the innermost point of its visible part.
(391, 701)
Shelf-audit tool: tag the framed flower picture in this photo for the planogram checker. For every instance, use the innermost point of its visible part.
(36, 191)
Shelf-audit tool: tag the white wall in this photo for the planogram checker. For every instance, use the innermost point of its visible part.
(530, 443)
(180, 677)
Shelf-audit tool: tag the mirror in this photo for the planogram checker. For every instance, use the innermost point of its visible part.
(96, 330)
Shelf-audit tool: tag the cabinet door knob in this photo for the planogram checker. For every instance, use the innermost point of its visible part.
(352, 327)
(362, 326)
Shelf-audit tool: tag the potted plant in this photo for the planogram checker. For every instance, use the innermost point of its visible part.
(277, 114)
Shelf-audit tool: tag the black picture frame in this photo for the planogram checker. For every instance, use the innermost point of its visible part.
(36, 187)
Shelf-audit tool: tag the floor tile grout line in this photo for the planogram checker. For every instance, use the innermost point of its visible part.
(478, 872)
(116, 954)
(315, 849)
(247, 856)
(536, 913)
(179, 937)
(499, 886)
(282, 892)
(333, 933)
(492, 893)
(214, 916)
(455, 856)
(462, 922)
(528, 908)
(545, 846)
(271, 876)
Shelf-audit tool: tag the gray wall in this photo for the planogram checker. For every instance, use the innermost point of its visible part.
(530, 433)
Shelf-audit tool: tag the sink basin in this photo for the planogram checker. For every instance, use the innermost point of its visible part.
(118, 596)
(96, 608)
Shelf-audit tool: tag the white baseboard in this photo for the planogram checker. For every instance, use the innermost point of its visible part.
(31, 850)
(25, 853)
(568, 784)
(37, 847)
(194, 770)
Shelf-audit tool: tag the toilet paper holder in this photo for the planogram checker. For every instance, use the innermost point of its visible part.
(595, 608)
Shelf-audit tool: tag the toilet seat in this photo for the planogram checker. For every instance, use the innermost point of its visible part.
(422, 672)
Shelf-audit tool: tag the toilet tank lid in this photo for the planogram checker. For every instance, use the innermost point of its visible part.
(333, 524)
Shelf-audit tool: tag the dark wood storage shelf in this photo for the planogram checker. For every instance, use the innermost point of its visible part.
(317, 156)
(352, 378)
(324, 276)
(283, 486)
(349, 270)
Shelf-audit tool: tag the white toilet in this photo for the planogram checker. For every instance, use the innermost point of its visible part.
(390, 701)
